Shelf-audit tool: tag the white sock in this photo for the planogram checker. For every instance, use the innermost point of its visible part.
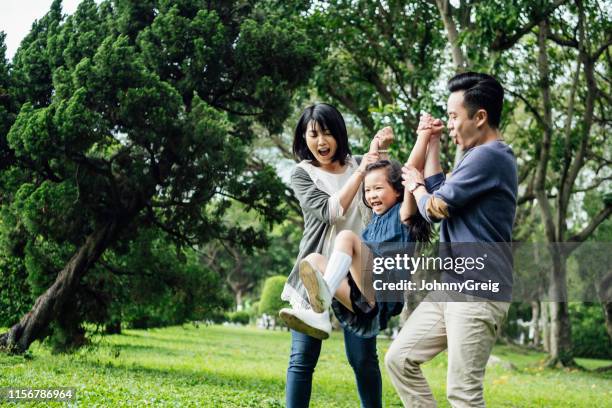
(337, 269)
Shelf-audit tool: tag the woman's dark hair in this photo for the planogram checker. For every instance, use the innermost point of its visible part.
(420, 230)
(481, 91)
(328, 118)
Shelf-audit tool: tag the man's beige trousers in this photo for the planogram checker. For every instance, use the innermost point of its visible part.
(468, 329)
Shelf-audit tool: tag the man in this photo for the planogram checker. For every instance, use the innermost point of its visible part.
(475, 205)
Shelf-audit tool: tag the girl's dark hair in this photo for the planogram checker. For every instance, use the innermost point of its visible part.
(328, 118)
(420, 230)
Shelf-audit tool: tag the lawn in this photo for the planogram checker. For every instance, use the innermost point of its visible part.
(219, 366)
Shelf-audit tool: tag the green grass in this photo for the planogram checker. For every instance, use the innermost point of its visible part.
(220, 366)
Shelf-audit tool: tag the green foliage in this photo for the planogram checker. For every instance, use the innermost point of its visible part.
(270, 301)
(15, 297)
(382, 62)
(239, 317)
(253, 310)
(516, 311)
(589, 335)
(153, 287)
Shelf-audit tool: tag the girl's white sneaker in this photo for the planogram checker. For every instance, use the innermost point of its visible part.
(319, 294)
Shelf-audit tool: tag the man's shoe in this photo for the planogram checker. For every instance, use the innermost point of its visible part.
(319, 295)
(306, 321)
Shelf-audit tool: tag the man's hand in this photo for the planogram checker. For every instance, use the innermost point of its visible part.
(383, 139)
(411, 176)
(430, 127)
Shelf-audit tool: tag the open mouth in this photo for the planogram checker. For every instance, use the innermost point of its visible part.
(376, 204)
(324, 152)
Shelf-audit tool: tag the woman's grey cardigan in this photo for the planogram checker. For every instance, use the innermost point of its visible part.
(320, 209)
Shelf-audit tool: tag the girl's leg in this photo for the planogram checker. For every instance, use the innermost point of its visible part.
(343, 291)
(361, 354)
(350, 243)
(305, 352)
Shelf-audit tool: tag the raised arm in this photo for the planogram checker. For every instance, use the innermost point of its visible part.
(432, 128)
(432, 163)
(348, 191)
(409, 206)
(419, 150)
(381, 142)
(428, 128)
(320, 204)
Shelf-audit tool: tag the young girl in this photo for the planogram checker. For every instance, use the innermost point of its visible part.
(395, 219)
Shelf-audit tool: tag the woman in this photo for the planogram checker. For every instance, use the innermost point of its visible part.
(327, 183)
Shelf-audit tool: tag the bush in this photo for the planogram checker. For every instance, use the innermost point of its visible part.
(15, 295)
(271, 302)
(253, 310)
(240, 317)
(589, 335)
(510, 328)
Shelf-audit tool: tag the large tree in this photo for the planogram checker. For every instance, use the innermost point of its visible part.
(137, 114)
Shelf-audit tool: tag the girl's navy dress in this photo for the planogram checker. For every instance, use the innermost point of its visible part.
(368, 321)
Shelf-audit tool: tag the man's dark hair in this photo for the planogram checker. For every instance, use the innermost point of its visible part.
(328, 118)
(481, 91)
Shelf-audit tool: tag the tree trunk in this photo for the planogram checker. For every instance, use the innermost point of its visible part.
(239, 300)
(560, 330)
(607, 307)
(605, 295)
(535, 323)
(545, 324)
(49, 305)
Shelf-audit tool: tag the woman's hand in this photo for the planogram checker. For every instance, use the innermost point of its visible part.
(430, 127)
(382, 140)
(367, 158)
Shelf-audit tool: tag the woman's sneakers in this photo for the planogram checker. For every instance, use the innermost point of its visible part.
(306, 321)
(319, 294)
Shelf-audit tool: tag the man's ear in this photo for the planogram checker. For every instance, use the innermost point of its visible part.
(481, 117)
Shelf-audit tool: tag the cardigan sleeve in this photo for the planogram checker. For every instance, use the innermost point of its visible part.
(313, 200)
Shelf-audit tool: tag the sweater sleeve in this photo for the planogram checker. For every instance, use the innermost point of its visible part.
(313, 200)
(433, 183)
(476, 175)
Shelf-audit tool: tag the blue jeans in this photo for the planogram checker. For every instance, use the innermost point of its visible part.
(361, 354)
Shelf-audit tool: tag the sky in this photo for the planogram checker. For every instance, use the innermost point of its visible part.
(17, 16)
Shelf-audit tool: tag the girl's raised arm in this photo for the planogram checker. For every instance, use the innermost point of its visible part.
(428, 127)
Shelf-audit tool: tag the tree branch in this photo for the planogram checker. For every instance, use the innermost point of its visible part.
(542, 167)
(281, 146)
(593, 186)
(504, 42)
(567, 42)
(587, 119)
(590, 228)
(169, 230)
(445, 9)
(602, 48)
(532, 109)
(565, 190)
